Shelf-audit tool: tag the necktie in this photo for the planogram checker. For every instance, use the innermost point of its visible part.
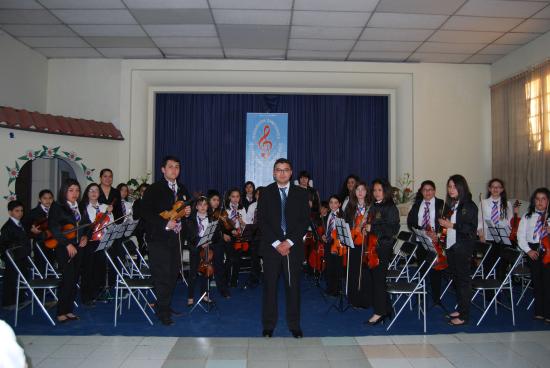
(76, 214)
(46, 210)
(96, 209)
(426, 216)
(123, 207)
(173, 187)
(255, 219)
(233, 213)
(360, 211)
(494, 213)
(330, 226)
(540, 229)
(201, 226)
(283, 205)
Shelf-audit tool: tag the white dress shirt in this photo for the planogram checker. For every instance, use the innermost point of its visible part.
(486, 208)
(432, 213)
(526, 231)
(276, 243)
(451, 233)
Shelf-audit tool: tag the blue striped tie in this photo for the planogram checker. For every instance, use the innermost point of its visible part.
(330, 225)
(540, 229)
(283, 205)
(494, 213)
(426, 217)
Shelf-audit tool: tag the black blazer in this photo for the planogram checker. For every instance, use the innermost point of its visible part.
(385, 222)
(61, 214)
(191, 231)
(157, 198)
(412, 217)
(12, 236)
(269, 217)
(37, 213)
(466, 221)
(114, 195)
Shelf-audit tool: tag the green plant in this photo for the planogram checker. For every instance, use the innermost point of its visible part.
(403, 192)
(134, 183)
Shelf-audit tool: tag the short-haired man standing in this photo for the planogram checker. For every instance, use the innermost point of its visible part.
(283, 214)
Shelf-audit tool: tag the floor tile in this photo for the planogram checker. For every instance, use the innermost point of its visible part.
(229, 341)
(382, 351)
(151, 352)
(267, 364)
(262, 353)
(471, 361)
(51, 340)
(374, 340)
(418, 351)
(60, 363)
(189, 352)
(274, 342)
(184, 363)
(338, 341)
(306, 353)
(351, 363)
(454, 349)
(73, 351)
(228, 353)
(344, 353)
(86, 340)
(142, 363)
(430, 363)
(122, 340)
(158, 340)
(408, 339)
(308, 364)
(113, 351)
(103, 363)
(306, 341)
(225, 363)
(393, 363)
(535, 353)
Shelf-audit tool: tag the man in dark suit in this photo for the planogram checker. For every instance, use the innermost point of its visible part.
(163, 238)
(13, 235)
(36, 215)
(283, 214)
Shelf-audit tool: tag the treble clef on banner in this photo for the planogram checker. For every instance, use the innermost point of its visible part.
(265, 144)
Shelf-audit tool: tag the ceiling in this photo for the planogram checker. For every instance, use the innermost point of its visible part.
(447, 31)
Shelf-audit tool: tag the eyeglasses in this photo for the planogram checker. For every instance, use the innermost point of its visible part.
(280, 171)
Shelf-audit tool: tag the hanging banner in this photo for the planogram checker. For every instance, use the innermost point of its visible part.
(266, 141)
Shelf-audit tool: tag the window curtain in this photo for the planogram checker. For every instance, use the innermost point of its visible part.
(520, 114)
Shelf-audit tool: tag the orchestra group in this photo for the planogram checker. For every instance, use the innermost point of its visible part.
(282, 229)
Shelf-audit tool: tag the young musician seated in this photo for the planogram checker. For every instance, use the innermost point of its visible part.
(93, 263)
(334, 262)
(195, 228)
(534, 240)
(13, 235)
(32, 223)
(384, 224)
(68, 251)
(460, 220)
(237, 215)
(423, 215)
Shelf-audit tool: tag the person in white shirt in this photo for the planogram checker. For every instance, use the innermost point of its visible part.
(534, 240)
(234, 249)
(126, 205)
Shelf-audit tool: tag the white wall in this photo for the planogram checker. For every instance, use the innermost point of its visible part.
(535, 52)
(23, 76)
(442, 110)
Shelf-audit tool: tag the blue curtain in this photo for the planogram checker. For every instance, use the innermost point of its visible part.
(330, 136)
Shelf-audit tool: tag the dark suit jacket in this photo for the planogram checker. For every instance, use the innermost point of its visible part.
(12, 236)
(157, 198)
(191, 231)
(412, 217)
(61, 214)
(466, 221)
(114, 195)
(269, 217)
(385, 222)
(37, 213)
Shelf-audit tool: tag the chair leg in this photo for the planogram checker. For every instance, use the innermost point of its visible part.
(17, 301)
(512, 305)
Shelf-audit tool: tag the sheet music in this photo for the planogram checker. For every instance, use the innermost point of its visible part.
(343, 233)
(208, 233)
(423, 238)
(499, 234)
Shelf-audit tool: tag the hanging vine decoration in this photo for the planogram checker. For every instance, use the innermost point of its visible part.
(47, 153)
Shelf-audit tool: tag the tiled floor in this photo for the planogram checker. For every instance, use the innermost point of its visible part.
(519, 349)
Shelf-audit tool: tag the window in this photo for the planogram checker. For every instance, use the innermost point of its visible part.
(538, 97)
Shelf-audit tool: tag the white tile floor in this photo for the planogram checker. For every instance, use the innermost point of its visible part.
(519, 349)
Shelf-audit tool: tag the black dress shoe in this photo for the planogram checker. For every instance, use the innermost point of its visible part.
(267, 333)
(298, 334)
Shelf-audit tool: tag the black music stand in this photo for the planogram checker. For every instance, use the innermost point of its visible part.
(343, 234)
(205, 239)
(501, 235)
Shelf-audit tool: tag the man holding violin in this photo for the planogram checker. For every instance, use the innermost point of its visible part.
(163, 235)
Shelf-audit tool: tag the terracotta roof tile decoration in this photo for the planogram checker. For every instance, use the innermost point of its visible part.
(45, 123)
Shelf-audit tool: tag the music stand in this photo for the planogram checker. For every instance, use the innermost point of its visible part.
(205, 239)
(501, 235)
(343, 234)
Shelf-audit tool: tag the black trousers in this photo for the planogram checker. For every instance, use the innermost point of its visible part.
(274, 265)
(164, 260)
(194, 260)
(333, 272)
(459, 258)
(376, 278)
(70, 272)
(219, 266)
(435, 277)
(9, 282)
(540, 276)
(92, 264)
(358, 282)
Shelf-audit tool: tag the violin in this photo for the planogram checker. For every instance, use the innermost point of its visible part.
(100, 222)
(441, 262)
(357, 231)
(220, 215)
(514, 223)
(240, 244)
(317, 255)
(338, 249)
(370, 256)
(176, 212)
(443, 234)
(545, 242)
(205, 265)
(69, 231)
(42, 225)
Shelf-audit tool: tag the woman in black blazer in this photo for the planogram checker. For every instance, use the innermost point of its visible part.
(68, 252)
(425, 211)
(460, 220)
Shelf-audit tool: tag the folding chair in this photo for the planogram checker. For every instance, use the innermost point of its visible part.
(513, 256)
(417, 286)
(131, 286)
(50, 269)
(405, 253)
(523, 275)
(142, 270)
(23, 283)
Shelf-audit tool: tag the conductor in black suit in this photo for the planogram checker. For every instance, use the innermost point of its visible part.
(283, 215)
(162, 235)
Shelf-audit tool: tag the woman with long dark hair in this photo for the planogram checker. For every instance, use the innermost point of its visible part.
(533, 229)
(460, 220)
(68, 252)
(348, 186)
(384, 224)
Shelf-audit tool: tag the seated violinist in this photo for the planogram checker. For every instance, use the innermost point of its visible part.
(35, 222)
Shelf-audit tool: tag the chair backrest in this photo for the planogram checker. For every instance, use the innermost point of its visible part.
(11, 259)
(408, 248)
(49, 266)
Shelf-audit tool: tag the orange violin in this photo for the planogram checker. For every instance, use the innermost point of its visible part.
(370, 255)
(514, 223)
(69, 231)
(338, 249)
(317, 254)
(441, 262)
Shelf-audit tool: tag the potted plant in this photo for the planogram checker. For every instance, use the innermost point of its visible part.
(403, 194)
